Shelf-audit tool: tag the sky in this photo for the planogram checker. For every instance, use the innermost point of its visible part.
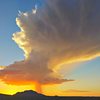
(50, 46)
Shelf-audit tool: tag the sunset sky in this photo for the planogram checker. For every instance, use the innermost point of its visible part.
(50, 46)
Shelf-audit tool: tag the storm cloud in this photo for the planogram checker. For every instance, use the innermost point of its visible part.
(59, 32)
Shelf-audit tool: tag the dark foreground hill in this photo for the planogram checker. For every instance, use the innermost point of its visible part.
(31, 95)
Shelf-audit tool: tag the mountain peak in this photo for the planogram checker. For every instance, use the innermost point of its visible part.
(28, 93)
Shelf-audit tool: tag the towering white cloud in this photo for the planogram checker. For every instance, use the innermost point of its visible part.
(60, 32)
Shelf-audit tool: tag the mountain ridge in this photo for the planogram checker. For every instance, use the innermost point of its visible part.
(32, 95)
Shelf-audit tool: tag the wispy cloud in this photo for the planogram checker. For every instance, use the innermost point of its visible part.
(74, 90)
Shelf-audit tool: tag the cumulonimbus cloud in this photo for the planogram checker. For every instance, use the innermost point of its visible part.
(60, 32)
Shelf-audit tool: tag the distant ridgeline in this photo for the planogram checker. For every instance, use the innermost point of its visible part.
(32, 95)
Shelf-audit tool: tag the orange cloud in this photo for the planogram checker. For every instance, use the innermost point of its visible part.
(26, 72)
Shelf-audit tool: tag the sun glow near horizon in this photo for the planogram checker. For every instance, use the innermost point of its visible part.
(49, 90)
(13, 89)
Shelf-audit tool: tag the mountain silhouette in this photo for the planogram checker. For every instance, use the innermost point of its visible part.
(32, 95)
(28, 93)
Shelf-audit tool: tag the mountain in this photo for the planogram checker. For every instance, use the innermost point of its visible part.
(32, 95)
(28, 93)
